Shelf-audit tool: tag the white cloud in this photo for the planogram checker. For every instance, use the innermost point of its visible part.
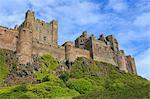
(142, 20)
(75, 16)
(142, 5)
(118, 5)
(143, 63)
(71, 14)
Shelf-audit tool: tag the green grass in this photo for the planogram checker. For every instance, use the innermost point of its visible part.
(55, 88)
(3, 67)
(86, 79)
(81, 85)
(109, 82)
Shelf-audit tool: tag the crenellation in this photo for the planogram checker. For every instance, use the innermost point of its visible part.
(36, 37)
(80, 41)
(113, 42)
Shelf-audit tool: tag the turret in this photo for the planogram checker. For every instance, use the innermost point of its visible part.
(24, 44)
(69, 56)
(29, 20)
(84, 34)
(81, 40)
(102, 38)
(113, 42)
(92, 37)
(54, 31)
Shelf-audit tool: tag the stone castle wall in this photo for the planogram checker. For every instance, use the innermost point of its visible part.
(71, 53)
(36, 37)
(56, 52)
(131, 64)
(122, 61)
(24, 46)
(102, 52)
(8, 38)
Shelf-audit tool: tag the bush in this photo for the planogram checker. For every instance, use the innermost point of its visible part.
(47, 65)
(64, 77)
(46, 78)
(80, 85)
(21, 88)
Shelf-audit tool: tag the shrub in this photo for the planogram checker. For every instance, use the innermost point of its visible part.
(47, 65)
(46, 78)
(20, 88)
(64, 77)
(80, 85)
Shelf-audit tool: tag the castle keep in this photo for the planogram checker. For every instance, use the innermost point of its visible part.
(35, 37)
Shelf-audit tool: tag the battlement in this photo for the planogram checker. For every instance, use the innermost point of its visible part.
(35, 37)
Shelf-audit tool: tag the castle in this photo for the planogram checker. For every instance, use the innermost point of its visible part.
(35, 37)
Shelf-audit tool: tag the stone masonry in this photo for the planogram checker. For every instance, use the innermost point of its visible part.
(35, 37)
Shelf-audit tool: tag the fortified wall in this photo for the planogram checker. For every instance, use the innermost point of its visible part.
(35, 37)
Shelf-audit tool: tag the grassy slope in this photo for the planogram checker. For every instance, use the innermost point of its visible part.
(107, 81)
(3, 67)
(51, 87)
(86, 79)
(54, 88)
(48, 64)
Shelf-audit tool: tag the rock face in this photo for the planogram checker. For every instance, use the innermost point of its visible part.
(18, 74)
(35, 37)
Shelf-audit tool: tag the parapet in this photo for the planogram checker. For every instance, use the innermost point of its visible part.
(29, 12)
(54, 21)
(93, 37)
(69, 43)
(102, 38)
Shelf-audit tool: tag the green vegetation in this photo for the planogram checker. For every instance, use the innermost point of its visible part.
(86, 79)
(80, 85)
(48, 64)
(109, 82)
(50, 89)
(3, 67)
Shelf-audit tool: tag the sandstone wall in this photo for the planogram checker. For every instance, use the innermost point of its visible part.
(8, 38)
(46, 33)
(42, 32)
(81, 53)
(56, 52)
(24, 46)
(103, 52)
(71, 53)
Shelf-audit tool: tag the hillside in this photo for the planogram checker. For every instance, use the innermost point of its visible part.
(83, 79)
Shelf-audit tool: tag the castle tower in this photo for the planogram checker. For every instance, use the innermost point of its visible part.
(69, 56)
(80, 41)
(113, 42)
(122, 61)
(24, 44)
(54, 31)
(131, 65)
(29, 20)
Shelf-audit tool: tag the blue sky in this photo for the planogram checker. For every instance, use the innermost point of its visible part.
(127, 20)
